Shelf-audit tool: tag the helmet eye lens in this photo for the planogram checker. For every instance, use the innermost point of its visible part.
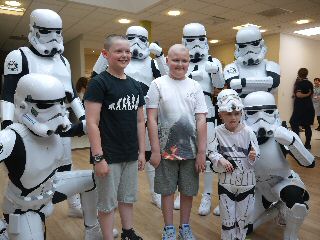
(242, 45)
(58, 31)
(142, 39)
(44, 105)
(202, 39)
(44, 31)
(130, 37)
(255, 43)
(251, 112)
(190, 39)
(269, 111)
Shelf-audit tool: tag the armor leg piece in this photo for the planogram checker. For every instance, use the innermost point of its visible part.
(294, 220)
(27, 226)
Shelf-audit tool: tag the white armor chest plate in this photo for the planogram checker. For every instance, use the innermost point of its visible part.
(53, 66)
(140, 70)
(252, 71)
(272, 161)
(42, 157)
(205, 83)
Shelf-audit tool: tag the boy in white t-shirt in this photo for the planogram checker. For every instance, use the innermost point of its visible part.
(233, 153)
(177, 128)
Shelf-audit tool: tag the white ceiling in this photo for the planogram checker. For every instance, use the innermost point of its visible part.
(218, 16)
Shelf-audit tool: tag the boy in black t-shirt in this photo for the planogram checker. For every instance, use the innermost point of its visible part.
(115, 122)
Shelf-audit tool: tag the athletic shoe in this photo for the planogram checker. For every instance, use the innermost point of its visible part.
(205, 205)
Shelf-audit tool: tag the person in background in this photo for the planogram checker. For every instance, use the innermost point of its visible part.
(81, 86)
(303, 110)
(316, 100)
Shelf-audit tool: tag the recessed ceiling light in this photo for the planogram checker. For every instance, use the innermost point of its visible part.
(13, 3)
(11, 10)
(174, 13)
(93, 51)
(303, 21)
(309, 31)
(214, 41)
(245, 25)
(124, 21)
(263, 30)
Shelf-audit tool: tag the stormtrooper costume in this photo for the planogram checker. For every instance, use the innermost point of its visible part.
(208, 72)
(32, 152)
(250, 71)
(236, 188)
(279, 190)
(143, 69)
(44, 56)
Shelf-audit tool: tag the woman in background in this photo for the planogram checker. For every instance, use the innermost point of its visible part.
(303, 110)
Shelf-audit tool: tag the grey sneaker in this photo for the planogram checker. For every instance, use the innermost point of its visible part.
(169, 233)
(185, 232)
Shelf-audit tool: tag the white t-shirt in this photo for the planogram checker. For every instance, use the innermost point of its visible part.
(177, 102)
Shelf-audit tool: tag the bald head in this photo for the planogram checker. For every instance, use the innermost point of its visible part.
(177, 48)
(178, 61)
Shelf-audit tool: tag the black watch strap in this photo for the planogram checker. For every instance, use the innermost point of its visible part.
(98, 158)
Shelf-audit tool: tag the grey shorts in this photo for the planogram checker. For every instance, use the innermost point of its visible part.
(172, 173)
(120, 185)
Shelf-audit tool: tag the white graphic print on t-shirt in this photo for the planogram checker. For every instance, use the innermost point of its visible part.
(125, 103)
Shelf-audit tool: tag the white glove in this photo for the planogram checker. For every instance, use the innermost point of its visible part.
(236, 83)
(212, 67)
(197, 75)
(155, 49)
(84, 125)
(283, 136)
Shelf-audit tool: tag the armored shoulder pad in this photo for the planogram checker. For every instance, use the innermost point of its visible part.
(13, 63)
(7, 142)
(273, 67)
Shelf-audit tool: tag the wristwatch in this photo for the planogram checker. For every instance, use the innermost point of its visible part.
(97, 158)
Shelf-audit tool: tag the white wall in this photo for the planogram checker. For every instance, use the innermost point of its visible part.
(74, 52)
(295, 53)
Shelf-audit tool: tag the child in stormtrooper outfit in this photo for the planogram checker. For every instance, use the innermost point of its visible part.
(233, 152)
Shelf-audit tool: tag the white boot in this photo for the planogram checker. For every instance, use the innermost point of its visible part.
(176, 204)
(93, 233)
(75, 206)
(156, 199)
(205, 205)
(216, 211)
(294, 220)
(3, 230)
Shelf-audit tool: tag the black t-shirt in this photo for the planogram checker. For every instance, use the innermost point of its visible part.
(120, 99)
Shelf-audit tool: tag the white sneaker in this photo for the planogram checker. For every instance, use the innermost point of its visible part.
(216, 211)
(115, 233)
(169, 233)
(205, 205)
(75, 206)
(176, 204)
(93, 233)
(185, 232)
(3, 230)
(156, 199)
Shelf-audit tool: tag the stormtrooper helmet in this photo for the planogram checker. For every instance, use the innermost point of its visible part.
(46, 32)
(261, 113)
(195, 40)
(250, 47)
(139, 45)
(228, 101)
(39, 104)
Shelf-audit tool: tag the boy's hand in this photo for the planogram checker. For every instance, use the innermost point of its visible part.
(141, 161)
(101, 169)
(155, 159)
(252, 154)
(226, 164)
(201, 162)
